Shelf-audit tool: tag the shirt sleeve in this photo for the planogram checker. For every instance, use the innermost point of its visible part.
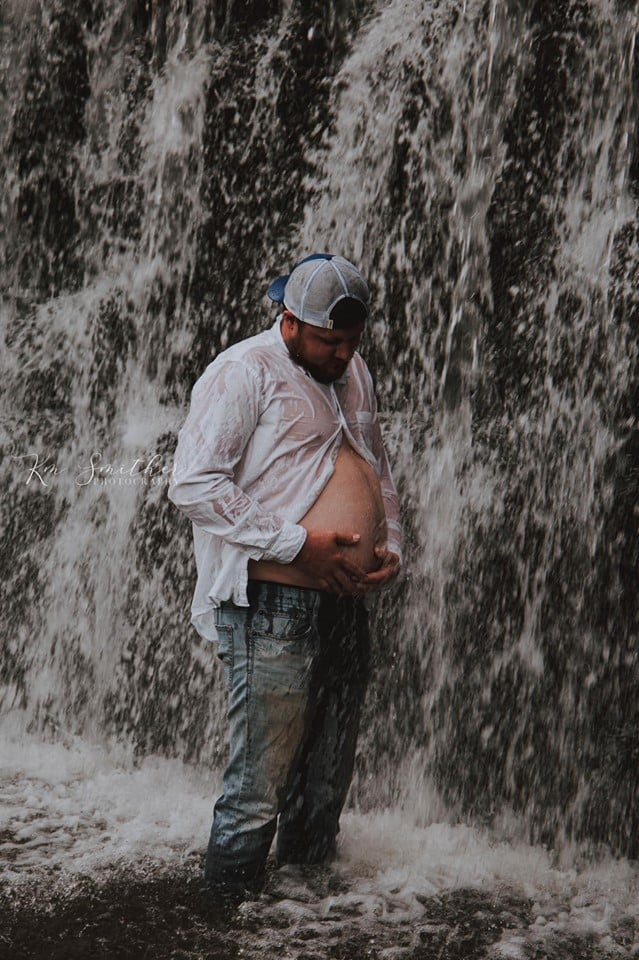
(387, 486)
(225, 409)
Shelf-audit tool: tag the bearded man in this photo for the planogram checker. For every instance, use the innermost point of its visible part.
(281, 468)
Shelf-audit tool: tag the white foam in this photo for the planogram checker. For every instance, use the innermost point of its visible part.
(71, 807)
(77, 807)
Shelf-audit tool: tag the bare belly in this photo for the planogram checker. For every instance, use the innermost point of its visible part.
(351, 502)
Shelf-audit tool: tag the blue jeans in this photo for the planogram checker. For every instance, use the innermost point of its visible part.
(296, 664)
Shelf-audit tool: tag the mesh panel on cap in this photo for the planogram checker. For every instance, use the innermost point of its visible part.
(315, 287)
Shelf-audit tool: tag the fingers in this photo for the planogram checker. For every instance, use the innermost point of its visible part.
(344, 582)
(387, 557)
(356, 579)
(387, 572)
(332, 569)
(348, 578)
(347, 539)
(379, 576)
(352, 569)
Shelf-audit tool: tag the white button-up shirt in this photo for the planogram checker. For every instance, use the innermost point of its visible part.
(257, 448)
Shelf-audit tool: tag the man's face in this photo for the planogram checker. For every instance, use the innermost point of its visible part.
(324, 353)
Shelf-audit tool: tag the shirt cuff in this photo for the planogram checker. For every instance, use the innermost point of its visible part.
(288, 544)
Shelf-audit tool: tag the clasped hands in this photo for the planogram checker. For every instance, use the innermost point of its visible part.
(324, 557)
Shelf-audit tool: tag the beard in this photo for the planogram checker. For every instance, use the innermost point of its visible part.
(325, 373)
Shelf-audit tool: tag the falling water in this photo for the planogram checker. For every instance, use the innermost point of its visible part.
(479, 160)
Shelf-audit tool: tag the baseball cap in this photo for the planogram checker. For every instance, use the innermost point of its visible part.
(316, 285)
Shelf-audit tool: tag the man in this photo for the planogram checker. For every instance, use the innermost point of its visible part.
(281, 468)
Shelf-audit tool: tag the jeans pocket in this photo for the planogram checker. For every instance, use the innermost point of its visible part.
(274, 633)
(225, 642)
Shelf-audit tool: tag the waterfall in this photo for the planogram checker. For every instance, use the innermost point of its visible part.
(483, 169)
(161, 163)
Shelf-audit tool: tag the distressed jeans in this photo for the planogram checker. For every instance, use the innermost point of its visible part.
(296, 664)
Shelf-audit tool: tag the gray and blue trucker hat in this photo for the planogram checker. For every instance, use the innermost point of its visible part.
(316, 285)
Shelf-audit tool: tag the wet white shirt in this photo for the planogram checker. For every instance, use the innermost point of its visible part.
(257, 448)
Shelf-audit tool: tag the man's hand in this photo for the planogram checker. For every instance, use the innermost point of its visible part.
(387, 572)
(324, 559)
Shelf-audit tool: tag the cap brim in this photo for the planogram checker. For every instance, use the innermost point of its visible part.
(276, 289)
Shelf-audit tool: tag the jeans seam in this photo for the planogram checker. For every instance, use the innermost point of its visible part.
(248, 752)
(229, 653)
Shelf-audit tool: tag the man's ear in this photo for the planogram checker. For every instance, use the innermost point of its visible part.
(291, 321)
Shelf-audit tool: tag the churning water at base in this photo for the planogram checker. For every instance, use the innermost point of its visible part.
(161, 163)
(101, 852)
